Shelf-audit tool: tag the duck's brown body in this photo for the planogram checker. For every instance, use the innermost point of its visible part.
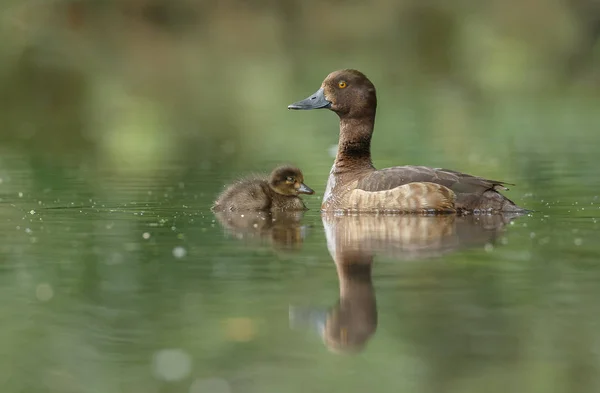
(410, 189)
(355, 185)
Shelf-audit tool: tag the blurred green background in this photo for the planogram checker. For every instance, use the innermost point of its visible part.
(131, 85)
(122, 120)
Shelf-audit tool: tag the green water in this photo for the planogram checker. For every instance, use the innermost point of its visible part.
(129, 283)
(121, 122)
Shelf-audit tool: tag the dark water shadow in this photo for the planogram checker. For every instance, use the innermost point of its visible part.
(353, 243)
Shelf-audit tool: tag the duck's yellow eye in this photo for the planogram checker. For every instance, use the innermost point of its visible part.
(342, 84)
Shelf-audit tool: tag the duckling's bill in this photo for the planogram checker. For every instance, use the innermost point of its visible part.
(315, 101)
(304, 189)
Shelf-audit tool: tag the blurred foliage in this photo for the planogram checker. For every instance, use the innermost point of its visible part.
(134, 83)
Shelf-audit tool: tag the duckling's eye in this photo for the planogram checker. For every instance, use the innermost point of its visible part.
(289, 179)
(342, 84)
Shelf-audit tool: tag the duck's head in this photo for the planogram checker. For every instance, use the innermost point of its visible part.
(288, 180)
(349, 93)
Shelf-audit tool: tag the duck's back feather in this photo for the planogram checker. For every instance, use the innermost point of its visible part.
(472, 192)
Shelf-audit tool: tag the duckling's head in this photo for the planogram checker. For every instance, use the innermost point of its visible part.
(289, 181)
(349, 93)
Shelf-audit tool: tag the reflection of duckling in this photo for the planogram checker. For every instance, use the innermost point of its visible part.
(278, 192)
(282, 228)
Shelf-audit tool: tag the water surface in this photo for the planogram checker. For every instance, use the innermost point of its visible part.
(127, 282)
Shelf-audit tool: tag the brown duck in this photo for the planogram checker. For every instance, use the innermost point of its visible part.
(355, 185)
(279, 191)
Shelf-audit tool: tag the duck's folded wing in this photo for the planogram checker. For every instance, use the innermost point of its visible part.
(460, 183)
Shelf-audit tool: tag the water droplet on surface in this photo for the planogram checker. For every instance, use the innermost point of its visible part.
(44, 292)
(179, 252)
(172, 364)
(20, 195)
(578, 241)
(32, 212)
(146, 235)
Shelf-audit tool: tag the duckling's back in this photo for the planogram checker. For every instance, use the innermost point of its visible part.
(245, 194)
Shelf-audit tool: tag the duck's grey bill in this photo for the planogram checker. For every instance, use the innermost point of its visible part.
(315, 101)
(304, 189)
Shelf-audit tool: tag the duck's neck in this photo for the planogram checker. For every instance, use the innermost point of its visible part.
(357, 296)
(354, 148)
(354, 274)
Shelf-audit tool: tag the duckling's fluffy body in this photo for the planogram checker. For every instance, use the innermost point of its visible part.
(354, 184)
(279, 191)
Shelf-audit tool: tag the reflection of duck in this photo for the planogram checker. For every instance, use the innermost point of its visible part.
(346, 327)
(353, 241)
(410, 236)
(282, 229)
(352, 322)
(277, 192)
(355, 185)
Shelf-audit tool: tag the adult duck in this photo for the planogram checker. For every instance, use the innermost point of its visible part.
(355, 185)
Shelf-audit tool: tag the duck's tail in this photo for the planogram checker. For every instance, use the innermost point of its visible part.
(491, 201)
(502, 204)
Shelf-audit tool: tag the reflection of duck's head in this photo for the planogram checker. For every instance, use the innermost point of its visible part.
(343, 334)
(289, 181)
(343, 331)
(346, 327)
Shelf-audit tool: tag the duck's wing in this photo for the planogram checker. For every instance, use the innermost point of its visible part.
(460, 183)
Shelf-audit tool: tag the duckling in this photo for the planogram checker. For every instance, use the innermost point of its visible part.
(279, 191)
